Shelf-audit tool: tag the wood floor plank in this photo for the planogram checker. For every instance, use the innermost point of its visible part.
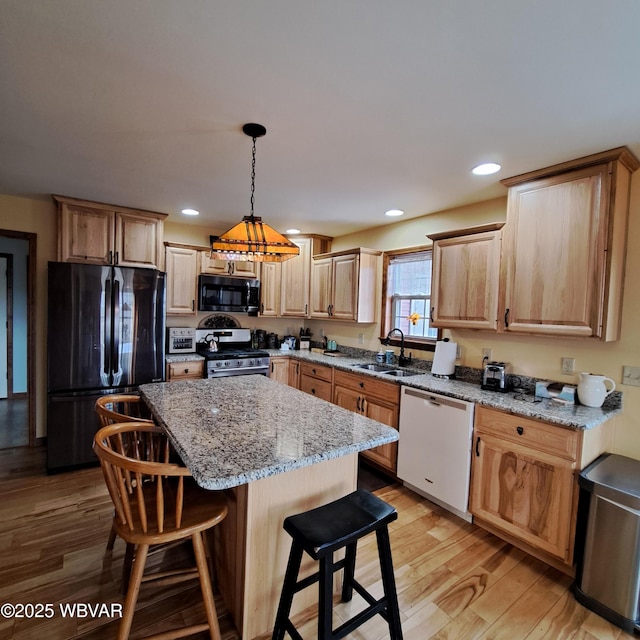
(455, 581)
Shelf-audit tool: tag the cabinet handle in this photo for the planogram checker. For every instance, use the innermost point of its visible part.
(431, 314)
(358, 403)
(478, 447)
(272, 367)
(110, 256)
(520, 430)
(193, 305)
(262, 308)
(186, 370)
(506, 317)
(306, 309)
(313, 371)
(313, 391)
(117, 257)
(361, 385)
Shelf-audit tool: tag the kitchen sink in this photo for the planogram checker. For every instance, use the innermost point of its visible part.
(401, 373)
(372, 367)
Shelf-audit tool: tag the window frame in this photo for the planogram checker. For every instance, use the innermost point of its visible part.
(427, 344)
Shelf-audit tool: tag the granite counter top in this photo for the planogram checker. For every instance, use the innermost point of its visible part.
(572, 416)
(231, 431)
(182, 357)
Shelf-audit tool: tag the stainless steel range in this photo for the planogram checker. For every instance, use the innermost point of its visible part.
(228, 352)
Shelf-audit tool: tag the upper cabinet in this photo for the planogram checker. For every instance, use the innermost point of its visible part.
(563, 248)
(343, 285)
(464, 285)
(557, 266)
(182, 279)
(285, 286)
(95, 233)
(235, 268)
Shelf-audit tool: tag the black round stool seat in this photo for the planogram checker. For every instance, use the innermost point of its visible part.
(321, 531)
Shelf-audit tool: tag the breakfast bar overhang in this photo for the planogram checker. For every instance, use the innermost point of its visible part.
(275, 451)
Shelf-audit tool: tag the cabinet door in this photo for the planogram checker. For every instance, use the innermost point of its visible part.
(86, 235)
(181, 281)
(524, 493)
(294, 372)
(385, 455)
(238, 268)
(279, 370)
(270, 289)
(464, 289)
(138, 241)
(321, 287)
(344, 304)
(554, 254)
(295, 276)
(347, 399)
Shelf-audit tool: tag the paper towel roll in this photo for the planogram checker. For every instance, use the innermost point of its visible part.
(444, 359)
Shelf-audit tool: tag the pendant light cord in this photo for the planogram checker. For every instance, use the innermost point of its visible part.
(253, 174)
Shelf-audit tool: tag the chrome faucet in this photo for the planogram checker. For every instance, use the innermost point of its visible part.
(403, 361)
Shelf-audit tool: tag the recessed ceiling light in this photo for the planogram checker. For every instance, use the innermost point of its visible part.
(292, 231)
(486, 169)
(190, 212)
(394, 212)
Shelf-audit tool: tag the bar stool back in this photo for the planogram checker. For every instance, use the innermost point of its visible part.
(156, 502)
(319, 533)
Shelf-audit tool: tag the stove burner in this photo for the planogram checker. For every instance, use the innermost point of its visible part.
(227, 354)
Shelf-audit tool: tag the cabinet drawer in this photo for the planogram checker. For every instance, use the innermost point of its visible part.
(317, 371)
(190, 369)
(388, 391)
(316, 387)
(537, 435)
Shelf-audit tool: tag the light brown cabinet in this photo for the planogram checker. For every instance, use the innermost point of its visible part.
(523, 481)
(279, 369)
(563, 249)
(465, 274)
(317, 380)
(374, 399)
(182, 280)
(101, 234)
(284, 287)
(235, 268)
(187, 370)
(343, 285)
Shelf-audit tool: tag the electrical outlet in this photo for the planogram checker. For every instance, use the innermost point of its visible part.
(487, 353)
(321, 333)
(568, 365)
(458, 352)
(631, 376)
(361, 338)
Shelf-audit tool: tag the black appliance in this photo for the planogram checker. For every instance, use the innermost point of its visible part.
(228, 352)
(219, 293)
(105, 335)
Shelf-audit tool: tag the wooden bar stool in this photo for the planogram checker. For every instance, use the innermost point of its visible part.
(324, 530)
(111, 409)
(157, 502)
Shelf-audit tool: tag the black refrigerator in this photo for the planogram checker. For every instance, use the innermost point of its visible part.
(105, 335)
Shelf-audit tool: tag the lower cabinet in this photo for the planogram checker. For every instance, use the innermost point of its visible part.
(375, 399)
(523, 481)
(187, 370)
(316, 380)
(279, 369)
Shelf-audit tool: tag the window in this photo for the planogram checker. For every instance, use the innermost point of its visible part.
(408, 297)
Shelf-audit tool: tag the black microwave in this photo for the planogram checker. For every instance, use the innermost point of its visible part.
(219, 293)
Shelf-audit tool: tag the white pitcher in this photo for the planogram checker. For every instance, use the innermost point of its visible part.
(592, 389)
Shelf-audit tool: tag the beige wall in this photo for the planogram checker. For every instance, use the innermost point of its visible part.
(535, 356)
(39, 217)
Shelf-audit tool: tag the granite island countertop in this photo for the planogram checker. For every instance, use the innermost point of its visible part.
(234, 430)
(572, 416)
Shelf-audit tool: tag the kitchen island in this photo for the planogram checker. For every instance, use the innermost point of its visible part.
(275, 451)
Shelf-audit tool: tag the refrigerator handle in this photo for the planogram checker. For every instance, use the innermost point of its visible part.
(107, 327)
(116, 326)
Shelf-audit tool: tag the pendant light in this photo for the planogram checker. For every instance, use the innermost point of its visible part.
(251, 239)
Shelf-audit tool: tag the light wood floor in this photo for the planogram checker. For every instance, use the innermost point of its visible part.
(454, 580)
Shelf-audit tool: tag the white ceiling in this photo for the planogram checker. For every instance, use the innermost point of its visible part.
(368, 104)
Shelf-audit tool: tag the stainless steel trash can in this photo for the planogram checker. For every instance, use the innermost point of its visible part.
(608, 575)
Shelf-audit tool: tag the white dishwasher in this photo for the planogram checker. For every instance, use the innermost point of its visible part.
(434, 451)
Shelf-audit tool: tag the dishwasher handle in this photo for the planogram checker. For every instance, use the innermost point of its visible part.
(437, 401)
